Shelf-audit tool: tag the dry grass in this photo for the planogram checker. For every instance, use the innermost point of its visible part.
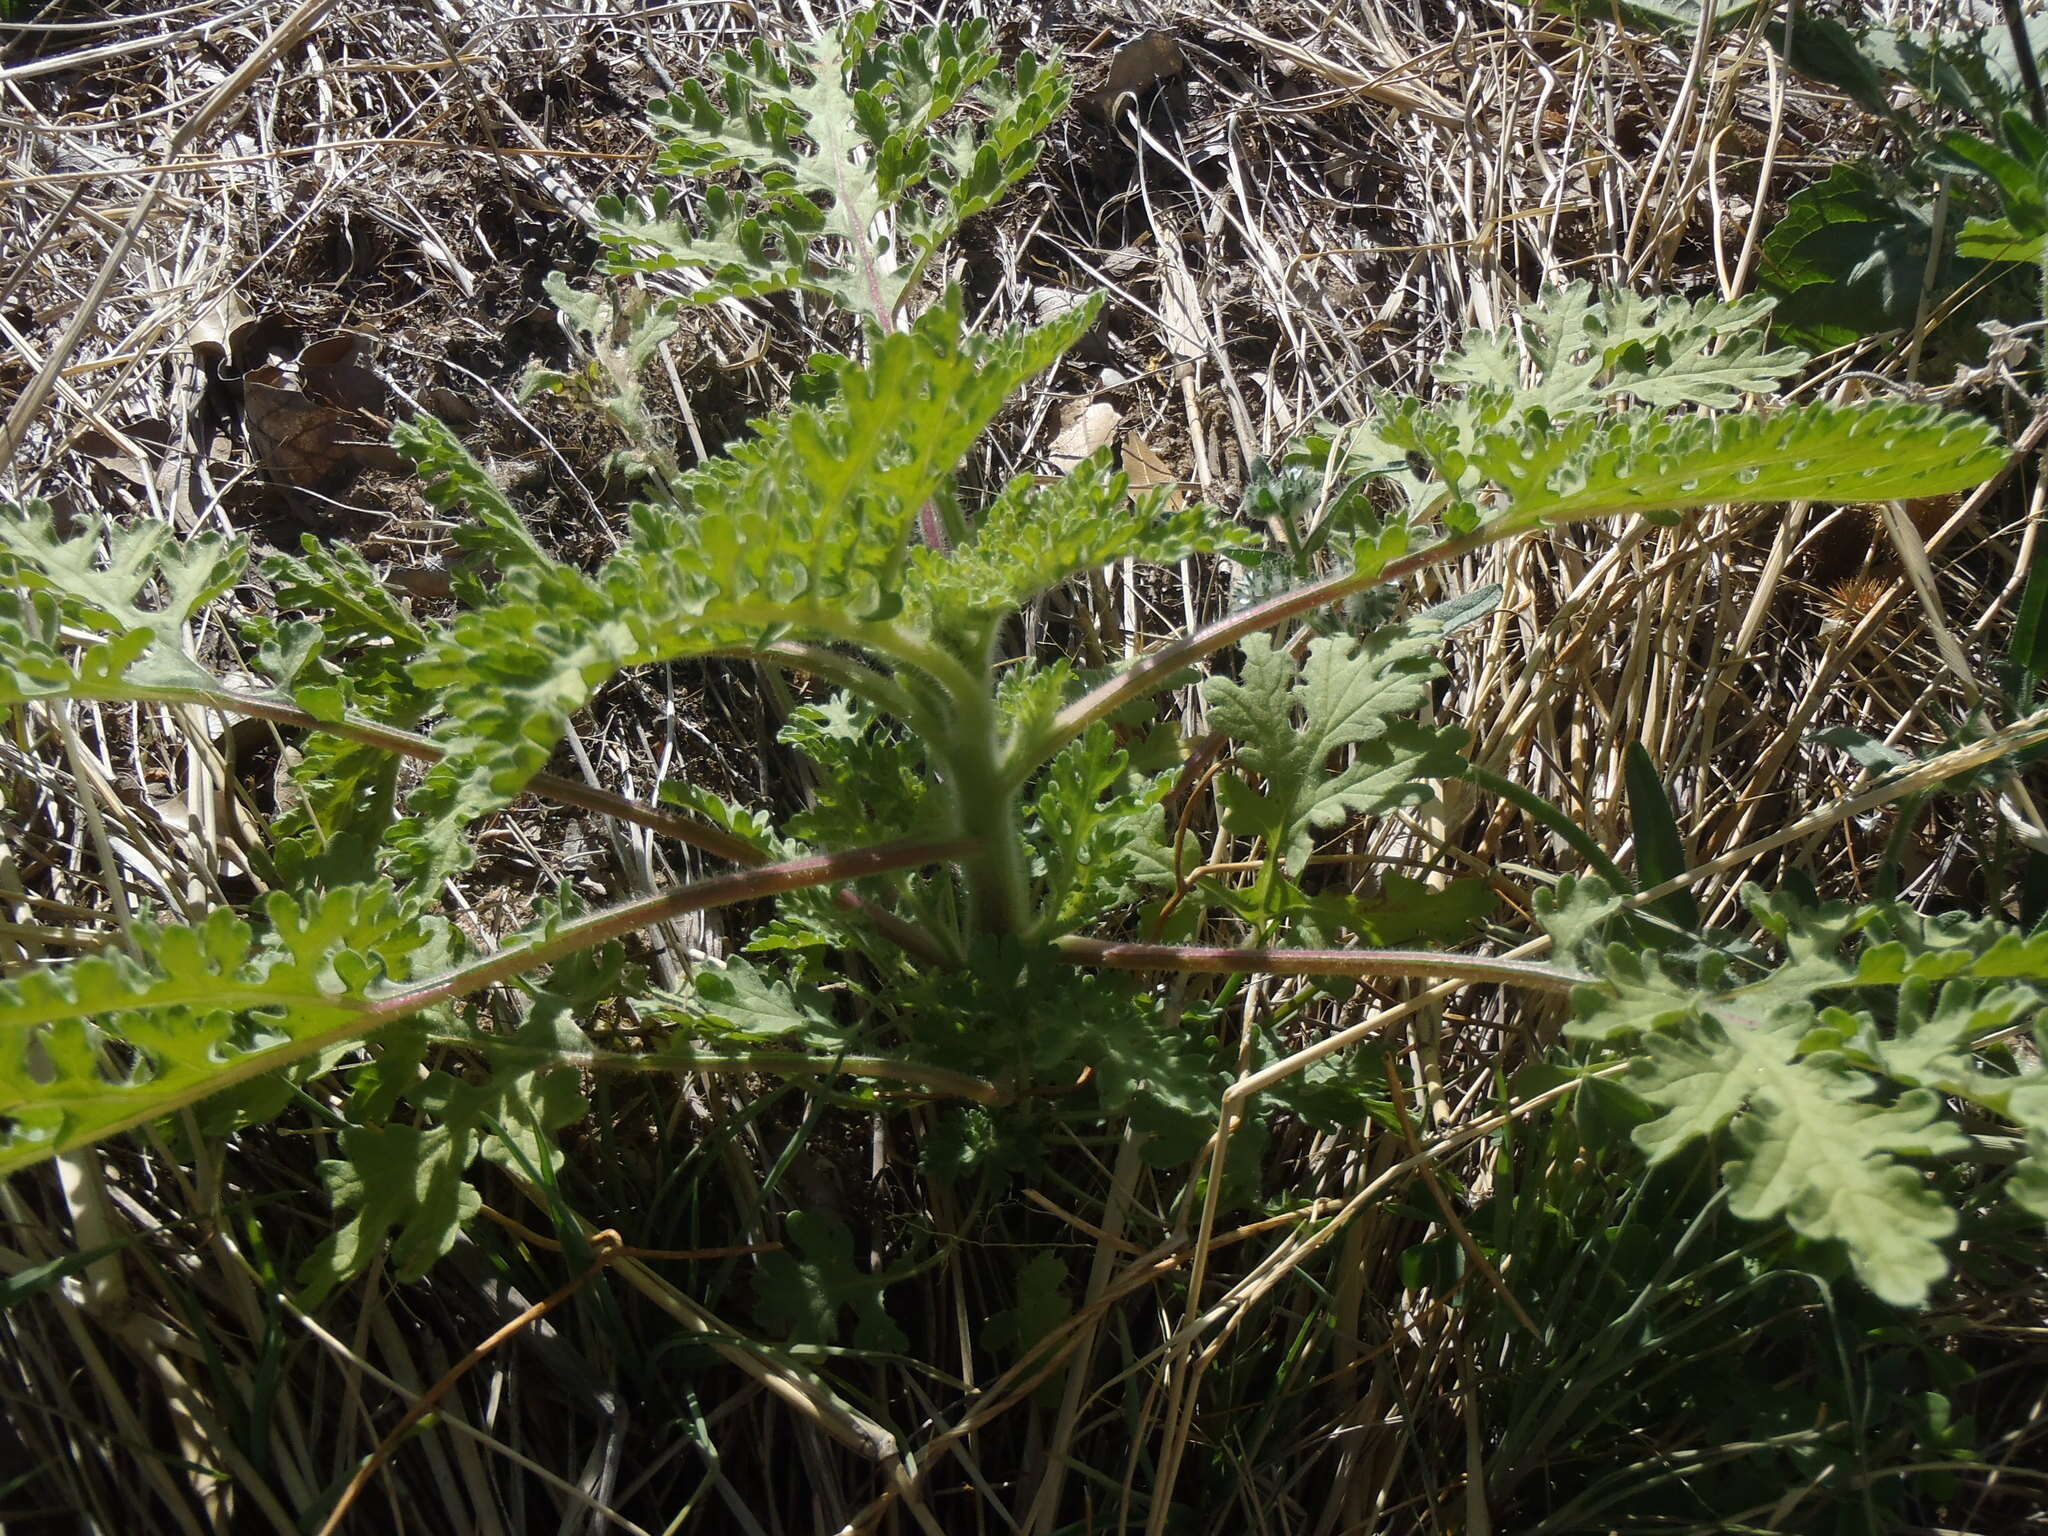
(1315, 207)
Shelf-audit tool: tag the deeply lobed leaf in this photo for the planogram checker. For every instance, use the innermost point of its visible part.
(1351, 695)
(803, 532)
(847, 183)
(110, 1040)
(1509, 475)
(101, 614)
(1586, 353)
(1826, 1109)
(1033, 537)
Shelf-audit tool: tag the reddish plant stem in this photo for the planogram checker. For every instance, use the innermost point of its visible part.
(688, 830)
(631, 917)
(691, 831)
(1362, 964)
(1153, 669)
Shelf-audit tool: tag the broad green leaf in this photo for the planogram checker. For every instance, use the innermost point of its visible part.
(2016, 177)
(1997, 240)
(1679, 18)
(1824, 49)
(1827, 1112)
(1848, 259)
(801, 1292)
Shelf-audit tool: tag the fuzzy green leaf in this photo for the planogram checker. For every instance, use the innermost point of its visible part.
(880, 770)
(1042, 1305)
(456, 483)
(1094, 820)
(112, 1040)
(1811, 1151)
(739, 1002)
(2028, 1185)
(336, 580)
(802, 1294)
(1352, 695)
(1577, 915)
(410, 1181)
(847, 183)
(802, 532)
(1513, 475)
(1586, 353)
(1033, 537)
(101, 614)
(1824, 1109)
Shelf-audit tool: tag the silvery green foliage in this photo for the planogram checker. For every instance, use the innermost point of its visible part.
(839, 170)
(1829, 1080)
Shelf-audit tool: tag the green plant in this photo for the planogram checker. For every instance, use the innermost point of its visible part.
(1947, 232)
(994, 825)
(1950, 235)
(1679, 1373)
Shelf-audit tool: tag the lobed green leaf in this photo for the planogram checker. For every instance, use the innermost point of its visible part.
(108, 1041)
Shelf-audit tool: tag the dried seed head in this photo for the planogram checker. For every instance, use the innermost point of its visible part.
(1844, 603)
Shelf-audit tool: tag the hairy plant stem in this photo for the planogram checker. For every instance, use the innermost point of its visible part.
(985, 808)
(915, 1074)
(617, 922)
(1363, 964)
(691, 831)
(1152, 671)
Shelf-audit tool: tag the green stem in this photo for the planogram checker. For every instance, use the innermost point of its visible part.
(1550, 816)
(844, 672)
(985, 811)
